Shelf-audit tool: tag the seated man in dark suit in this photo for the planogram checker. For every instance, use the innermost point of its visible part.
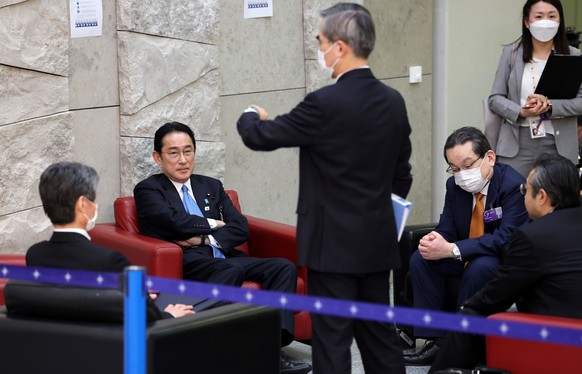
(483, 206)
(67, 191)
(193, 211)
(542, 266)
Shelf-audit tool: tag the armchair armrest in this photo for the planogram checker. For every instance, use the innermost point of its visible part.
(271, 239)
(524, 356)
(161, 258)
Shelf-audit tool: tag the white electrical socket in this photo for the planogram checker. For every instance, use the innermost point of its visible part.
(415, 74)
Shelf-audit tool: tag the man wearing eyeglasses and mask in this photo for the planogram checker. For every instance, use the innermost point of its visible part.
(483, 206)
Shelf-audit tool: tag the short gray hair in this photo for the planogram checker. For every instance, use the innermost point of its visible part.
(351, 23)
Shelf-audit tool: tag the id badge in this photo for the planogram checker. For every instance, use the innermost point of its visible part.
(537, 128)
(492, 214)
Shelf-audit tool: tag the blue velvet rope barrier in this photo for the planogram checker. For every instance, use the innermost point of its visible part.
(340, 308)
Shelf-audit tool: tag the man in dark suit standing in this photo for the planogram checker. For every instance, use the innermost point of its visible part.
(68, 191)
(542, 266)
(483, 206)
(354, 152)
(194, 211)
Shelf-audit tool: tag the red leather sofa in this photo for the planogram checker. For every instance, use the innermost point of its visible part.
(164, 259)
(529, 357)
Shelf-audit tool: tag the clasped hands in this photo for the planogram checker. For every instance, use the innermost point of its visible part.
(535, 105)
(196, 241)
(433, 246)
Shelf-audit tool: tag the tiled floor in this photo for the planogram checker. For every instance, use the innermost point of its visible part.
(302, 352)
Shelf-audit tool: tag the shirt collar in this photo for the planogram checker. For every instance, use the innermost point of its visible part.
(75, 230)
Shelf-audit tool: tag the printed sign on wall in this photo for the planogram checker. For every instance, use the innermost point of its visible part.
(86, 18)
(258, 8)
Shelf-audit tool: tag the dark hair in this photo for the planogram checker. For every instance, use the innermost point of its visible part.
(558, 176)
(60, 187)
(168, 128)
(561, 45)
(468, 134)
(351, 23)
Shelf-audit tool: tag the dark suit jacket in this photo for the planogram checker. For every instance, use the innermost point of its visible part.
(67, 250)
(354, 152)
(162, 215)
(455, 220)
(542, 269)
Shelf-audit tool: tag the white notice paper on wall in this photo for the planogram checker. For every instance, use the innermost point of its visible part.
(86, 18)
(258, 8)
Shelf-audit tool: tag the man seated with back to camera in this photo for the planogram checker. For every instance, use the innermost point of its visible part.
(68, 191)
(483, 206)
(195, 212)
(541, 270)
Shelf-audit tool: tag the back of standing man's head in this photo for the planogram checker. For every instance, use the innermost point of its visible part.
(351, 23)
(468, 134)
(169, 128)
(557, 176)
(60, 187)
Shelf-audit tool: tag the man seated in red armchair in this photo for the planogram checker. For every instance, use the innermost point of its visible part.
(193, 211)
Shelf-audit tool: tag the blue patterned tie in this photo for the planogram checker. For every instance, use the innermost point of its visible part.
(193, 209)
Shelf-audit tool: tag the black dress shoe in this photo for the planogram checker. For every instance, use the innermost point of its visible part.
(424, 357)
(290, 366)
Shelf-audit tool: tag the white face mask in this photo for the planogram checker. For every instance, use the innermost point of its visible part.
(544, 30)
(91, 222)
(327, 71)
(471, 180)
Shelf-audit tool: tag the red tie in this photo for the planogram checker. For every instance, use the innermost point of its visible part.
(477, 224)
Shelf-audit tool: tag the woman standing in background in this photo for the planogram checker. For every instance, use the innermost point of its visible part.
(534, 123)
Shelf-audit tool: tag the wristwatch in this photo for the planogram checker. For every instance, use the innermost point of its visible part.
(202, 240)
(456, 252)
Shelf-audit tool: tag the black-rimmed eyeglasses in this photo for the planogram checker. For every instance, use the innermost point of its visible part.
(454, 170)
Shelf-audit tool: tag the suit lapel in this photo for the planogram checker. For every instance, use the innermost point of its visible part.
(201, 193)
(171, 193)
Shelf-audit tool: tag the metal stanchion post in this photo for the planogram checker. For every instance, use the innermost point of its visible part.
(134, 320)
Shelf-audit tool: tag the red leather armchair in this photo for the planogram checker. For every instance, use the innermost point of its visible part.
(164, 259)
(530, 357)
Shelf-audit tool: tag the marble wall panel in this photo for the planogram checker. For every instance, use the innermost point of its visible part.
(93, 71)
(137, 162)
(197, 105)
(403, 36)
(35, 36)
(28, 94)
(419, 107)
(194, 20)
(20, 230)
(261, 54)
(4, 3)
(96, 143)
(267, 182)
(151, 67)
(28, 148)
